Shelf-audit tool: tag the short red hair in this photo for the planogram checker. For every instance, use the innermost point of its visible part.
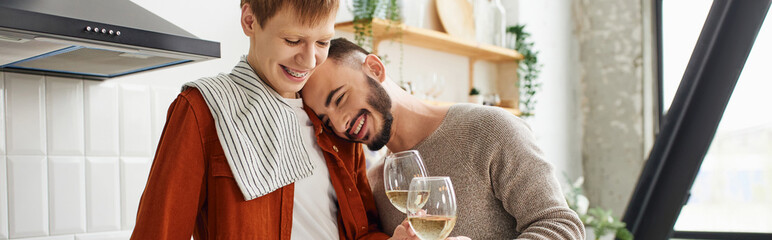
(310, 11)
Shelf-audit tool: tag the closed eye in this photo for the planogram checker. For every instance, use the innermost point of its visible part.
(337, 101)
(292, 43)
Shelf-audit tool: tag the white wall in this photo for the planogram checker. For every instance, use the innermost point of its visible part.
(557, 123)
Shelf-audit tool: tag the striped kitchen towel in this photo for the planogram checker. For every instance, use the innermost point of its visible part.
(258, 131)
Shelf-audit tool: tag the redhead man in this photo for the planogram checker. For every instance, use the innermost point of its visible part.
(240, 158)
(504, 187)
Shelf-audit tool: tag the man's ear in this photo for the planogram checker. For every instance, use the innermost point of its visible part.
(374, 67)
(248, 22)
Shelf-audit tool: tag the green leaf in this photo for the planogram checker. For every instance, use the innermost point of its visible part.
(528, 69)
(624, 234)
(364, 11)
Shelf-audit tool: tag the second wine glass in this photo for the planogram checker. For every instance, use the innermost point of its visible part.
(431, 207)
(398, 170)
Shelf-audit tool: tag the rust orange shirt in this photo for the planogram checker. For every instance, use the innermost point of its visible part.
(191, 190)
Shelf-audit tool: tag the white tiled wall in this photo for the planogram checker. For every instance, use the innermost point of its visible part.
(133, 178)
(75, 154)
(104, 236)
(27, 196)
(103, 198)
(67, 195)
(69, 237)
(3, 175)
(25, 119)
(3, 199)
(64, 111)
(101, 116)
(160, 101)
(134, 121)
(2, 119)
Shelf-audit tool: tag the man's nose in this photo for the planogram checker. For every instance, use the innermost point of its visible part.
(340, 124)
(307, 57)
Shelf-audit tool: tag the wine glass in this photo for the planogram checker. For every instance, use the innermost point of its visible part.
(431, 207)
(423, 88)
(439, 85)
(398, 169)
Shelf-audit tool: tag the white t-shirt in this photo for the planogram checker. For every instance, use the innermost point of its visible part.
(315, 209)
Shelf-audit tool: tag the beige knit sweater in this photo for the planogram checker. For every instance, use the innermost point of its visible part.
(505, 189)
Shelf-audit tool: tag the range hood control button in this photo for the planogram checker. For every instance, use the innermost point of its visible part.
(111, 32)
(104, 30)
(88, 28)
(96, 30)
(118, 33)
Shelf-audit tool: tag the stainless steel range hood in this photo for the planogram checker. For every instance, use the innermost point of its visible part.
(93, 39)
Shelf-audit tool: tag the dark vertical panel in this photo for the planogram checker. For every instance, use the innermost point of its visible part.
(688, 129)
(660, 75)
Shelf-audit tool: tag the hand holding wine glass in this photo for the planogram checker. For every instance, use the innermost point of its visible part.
(431, 207)
(404, 232)
(398, 170)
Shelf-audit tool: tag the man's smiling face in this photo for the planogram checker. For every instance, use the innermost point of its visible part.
(350, 104)
(284, 51)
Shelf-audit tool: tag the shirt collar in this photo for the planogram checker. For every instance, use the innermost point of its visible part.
(318, 129)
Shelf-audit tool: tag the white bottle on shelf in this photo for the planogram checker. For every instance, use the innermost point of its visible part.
(499, 28)
(483, 21)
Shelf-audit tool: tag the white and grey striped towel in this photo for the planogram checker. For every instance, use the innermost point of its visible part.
(258, 131)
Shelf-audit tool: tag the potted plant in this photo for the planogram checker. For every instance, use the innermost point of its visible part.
(599, 223)
(365, 11)
(474, 96)
(528, 70)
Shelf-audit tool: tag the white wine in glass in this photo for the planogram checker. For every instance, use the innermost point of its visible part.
(431, 216)
(398, 170)
(398, 198)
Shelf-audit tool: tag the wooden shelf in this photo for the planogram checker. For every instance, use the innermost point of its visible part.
(438, 103)
(440, 41)
(435, 40)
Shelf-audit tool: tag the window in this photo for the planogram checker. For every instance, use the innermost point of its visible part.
(733, 188)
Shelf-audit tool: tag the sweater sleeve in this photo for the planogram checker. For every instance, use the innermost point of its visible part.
(526, 184)
(172, 196)
(363, 186)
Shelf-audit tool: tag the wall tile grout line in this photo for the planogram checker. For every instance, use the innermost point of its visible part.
(3, 94)
(85, 161)
(45, 156)
(121, 184)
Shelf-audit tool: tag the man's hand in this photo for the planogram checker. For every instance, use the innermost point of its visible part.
(405, 232)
